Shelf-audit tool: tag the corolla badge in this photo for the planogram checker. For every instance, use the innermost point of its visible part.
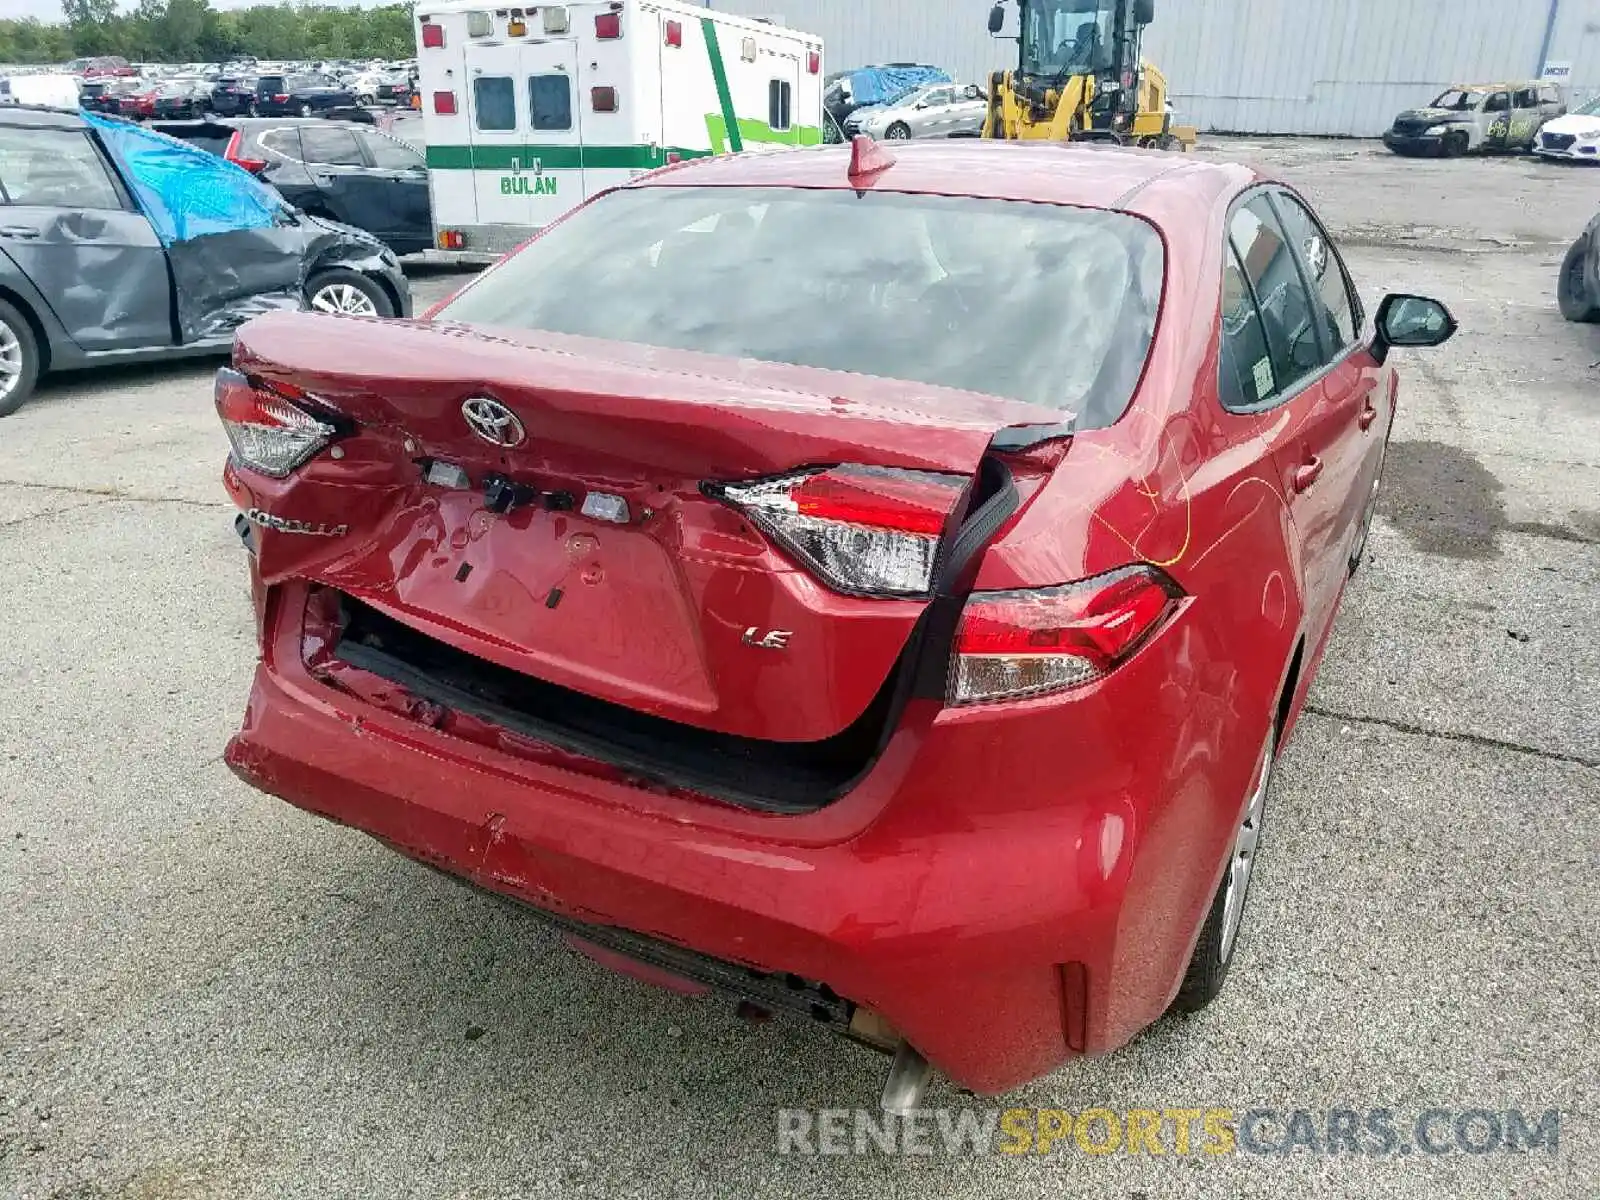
(493, 422)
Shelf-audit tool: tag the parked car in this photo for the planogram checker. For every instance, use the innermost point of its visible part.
(169, 101)
(935, 110)
(338, 170)
(1578, 288)
(873, 585)
(232, 95)
(394, 88)
(1479, 116)
(846, 91)
(105, 256)
(106, 96)
(298, 96)
(1574, 137)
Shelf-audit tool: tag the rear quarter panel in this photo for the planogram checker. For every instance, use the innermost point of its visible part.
(1182, 484)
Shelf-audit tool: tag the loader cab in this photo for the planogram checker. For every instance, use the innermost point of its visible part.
(1059, 40)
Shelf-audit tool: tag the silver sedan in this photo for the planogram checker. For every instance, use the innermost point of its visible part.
(933, 110)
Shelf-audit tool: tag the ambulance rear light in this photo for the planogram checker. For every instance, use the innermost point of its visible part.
(555, 19)
(444, 103)
(608, 26)
(603, 99)
(675, 34)
(814, 63)
(452, 239)
(432, 35)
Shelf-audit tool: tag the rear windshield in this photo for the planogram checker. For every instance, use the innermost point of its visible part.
(1051, 305)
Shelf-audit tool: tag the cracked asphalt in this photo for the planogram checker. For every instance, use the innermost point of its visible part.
(205, 993)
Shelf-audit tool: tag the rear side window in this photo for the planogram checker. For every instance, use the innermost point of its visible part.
(54, 168)
(283, 142)
(550, 101)
(1336, 304)
(1247, 380)
(331, 146)
(1286, 310)
(391, 154)
(271, 83)
(1049, 305)
(494, 102)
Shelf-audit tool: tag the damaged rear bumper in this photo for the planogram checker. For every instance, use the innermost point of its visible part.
(1000, 934)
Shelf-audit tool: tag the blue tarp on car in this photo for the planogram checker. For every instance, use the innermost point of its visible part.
(877, 85)
(186, 192)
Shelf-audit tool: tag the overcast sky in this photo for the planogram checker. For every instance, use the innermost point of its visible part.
(50, 10)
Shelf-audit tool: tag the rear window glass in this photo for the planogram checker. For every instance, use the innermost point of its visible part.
(1042, 303)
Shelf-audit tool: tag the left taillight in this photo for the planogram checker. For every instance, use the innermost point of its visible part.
(865, 531)
(269, 432)
(1019, 644)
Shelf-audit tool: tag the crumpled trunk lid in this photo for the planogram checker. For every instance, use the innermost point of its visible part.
(668, 614)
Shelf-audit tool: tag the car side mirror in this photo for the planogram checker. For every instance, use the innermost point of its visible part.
(997, 19)
(1411, 321)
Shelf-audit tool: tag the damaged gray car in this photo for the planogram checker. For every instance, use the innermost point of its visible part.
(118, 244)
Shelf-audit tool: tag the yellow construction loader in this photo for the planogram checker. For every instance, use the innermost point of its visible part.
(1079, 77)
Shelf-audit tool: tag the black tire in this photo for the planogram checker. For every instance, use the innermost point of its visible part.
(1208, 968)
(1455, 144)
(898, 132)
(306, 110)
(14, 327)
(254, 109)
(341, 276)
(1578, 301)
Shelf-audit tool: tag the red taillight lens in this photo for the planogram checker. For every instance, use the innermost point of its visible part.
(281, 98)
(452, 239)
(1012, 645)
(269, 432)
(444, 103)
(675, 33)
(871, 531)
(604, 99)
(432, 35)
(254, 165)
(608, 25)
(813, 63)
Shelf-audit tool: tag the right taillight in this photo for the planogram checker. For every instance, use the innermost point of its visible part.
(1013, 645)
(870, 531)
(269, 432)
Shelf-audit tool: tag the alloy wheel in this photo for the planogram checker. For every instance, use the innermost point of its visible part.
(343, 298)
(1243, 860)
(10, 360)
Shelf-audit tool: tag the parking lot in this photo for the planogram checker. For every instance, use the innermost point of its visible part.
(208, 993)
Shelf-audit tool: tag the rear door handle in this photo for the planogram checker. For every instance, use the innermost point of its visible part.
(1307, 474)
(1369, 414)
(18, 231)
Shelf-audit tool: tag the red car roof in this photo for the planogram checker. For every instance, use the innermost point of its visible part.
(1089, 176)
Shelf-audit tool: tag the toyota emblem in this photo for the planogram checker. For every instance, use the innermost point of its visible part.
(493, 422)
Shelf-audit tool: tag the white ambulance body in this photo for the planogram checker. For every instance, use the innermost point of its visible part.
(528, 111)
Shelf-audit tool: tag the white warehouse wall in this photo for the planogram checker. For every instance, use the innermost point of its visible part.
(1338, 67)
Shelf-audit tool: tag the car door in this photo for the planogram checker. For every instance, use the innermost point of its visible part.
(559, 178)
(1497, 112)
(405, 174)
(932, 113)
(1310, 440)
(1526, 117)
(69, 225)
(1355, 401)
(968, 111)
(352, 190)
(503, 173)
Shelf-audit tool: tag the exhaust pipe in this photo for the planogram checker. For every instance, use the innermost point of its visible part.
(907, 1081)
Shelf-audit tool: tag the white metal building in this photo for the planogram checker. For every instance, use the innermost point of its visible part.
(1341, 67)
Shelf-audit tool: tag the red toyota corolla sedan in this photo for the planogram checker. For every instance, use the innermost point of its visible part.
(869, 583)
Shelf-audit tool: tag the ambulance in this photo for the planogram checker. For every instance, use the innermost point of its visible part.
(527, 112)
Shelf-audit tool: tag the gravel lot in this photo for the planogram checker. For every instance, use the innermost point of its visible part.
(205, 993)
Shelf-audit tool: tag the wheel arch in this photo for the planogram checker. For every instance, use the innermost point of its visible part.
(41, 337)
